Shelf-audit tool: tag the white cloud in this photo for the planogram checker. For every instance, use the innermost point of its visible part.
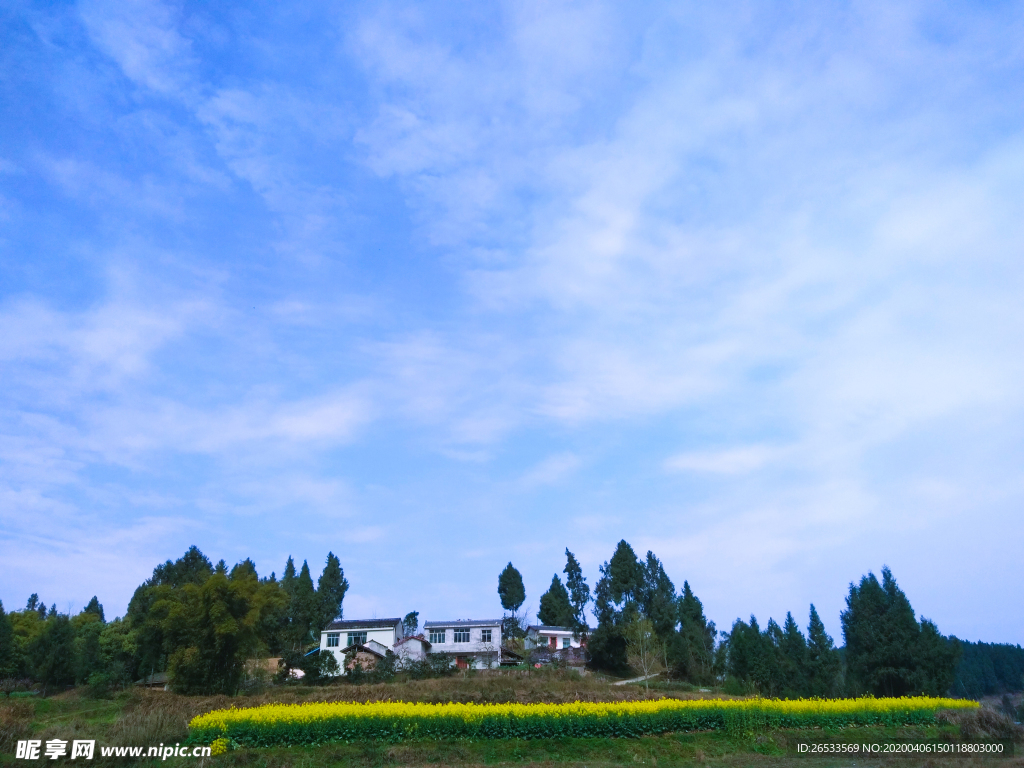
(551, 470)
(735, 461)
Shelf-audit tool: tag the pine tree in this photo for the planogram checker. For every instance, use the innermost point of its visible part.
(94, 607)
(823, 663)
(555, 608)
(658, 598)
(302, 610)
(937, 660)
(694, 656)
(617, 598)
(513, 595)
(881, 636)
(579, 591)
(330, 594)
(794, 659)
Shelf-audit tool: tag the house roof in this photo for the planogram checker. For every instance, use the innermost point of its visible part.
(464, 623)
(368, 648)
(363, 624)
(546, 628)
(420, 638)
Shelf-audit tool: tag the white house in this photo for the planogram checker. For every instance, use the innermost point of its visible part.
(555, 638)
(412, 648)
(470, 642)
(378, 634)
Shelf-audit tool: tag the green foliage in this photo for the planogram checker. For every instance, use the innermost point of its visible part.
(302, 610)
(988, 668)
(52, 653)
(331, 589)
(8, 651)
(411, 623)
(209, 630)
(511, 589)
(824, 667)
(887, 652)
(95, 608)
(693, 653)
(616, 602)
(578, 589)
(555, 608)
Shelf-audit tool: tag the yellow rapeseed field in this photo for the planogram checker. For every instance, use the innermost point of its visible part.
(395, 721)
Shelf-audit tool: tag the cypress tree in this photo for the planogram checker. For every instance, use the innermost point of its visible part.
(94, 607)
(881, 635)
(330, 593)
(579, 591)
(555, 608)
(794, 659)
(658, 598)
(303, 609)
(823, 663)
(694, 658)
(616, 602)
(511, 589)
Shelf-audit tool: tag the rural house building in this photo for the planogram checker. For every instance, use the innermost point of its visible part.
(377, 635)
(554, 638)
(412, 648)
(475, 643)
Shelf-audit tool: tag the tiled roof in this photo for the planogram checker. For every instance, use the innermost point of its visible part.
(544, 627)
(364, 624)
(421, 638)
(367, 648)
(464, 623)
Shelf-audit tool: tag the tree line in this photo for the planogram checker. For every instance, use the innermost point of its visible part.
(195, 621)
(645, 623)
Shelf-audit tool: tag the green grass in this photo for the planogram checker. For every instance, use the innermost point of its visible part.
(145, 718)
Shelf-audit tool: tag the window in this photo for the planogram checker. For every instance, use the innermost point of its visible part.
(485, 635)
(565, 642)
(332, 639)
(461, 636)
(437, 636)
(356, 638)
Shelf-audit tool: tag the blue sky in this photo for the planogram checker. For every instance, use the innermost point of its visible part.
(440, 286)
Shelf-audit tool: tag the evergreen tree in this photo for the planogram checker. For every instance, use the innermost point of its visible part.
(658, 598)
(331, 589)
(33, 602)
(95, 608)
(824, 666)
(937, 660)
(52, 653)
(794, 659)
(887, 652)
(8, 659)
(288, 580)
(411, 623)
(302, 611)
(511, 589)
(221, 569)
(617, 598)
(555, 608)
(694, 654)
(244, 570)
(579, 591)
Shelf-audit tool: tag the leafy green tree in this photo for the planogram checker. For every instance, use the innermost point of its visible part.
(824, 667)
(88, 657)
(579, 591)
(411, 623)
(555, 608)
(212, 629)
(644, 652)
(119, 649)
(330, 593)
